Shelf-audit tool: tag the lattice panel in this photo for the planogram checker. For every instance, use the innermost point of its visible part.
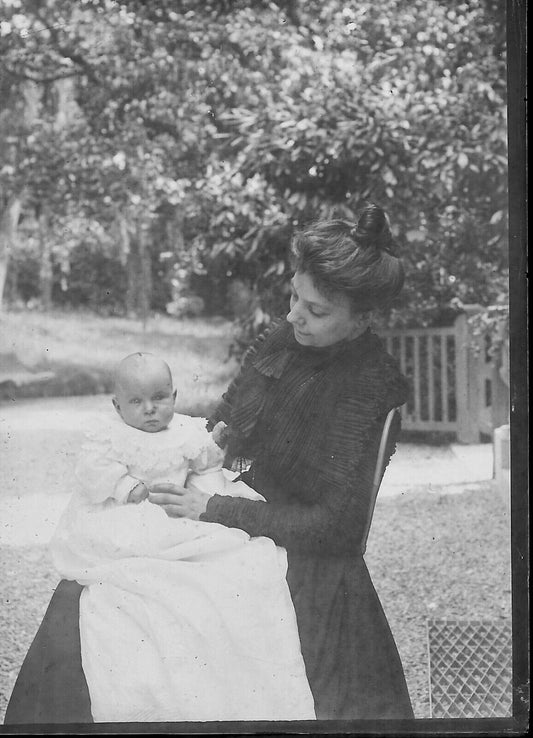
(470, 668)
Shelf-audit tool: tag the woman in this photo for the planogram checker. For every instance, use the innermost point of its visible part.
(307, 409)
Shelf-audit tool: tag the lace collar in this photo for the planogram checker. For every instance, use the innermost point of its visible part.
(185, 436)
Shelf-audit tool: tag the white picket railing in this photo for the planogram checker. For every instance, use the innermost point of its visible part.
(455, 386)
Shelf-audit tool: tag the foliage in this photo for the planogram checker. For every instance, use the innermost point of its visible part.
(210, 131)
(94, 280)
(490, 328)
(364, 108)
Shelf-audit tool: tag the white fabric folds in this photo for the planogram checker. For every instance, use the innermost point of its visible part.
(181, 620)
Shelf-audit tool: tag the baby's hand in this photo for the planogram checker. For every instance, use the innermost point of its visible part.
(219, 434)
(138, 493)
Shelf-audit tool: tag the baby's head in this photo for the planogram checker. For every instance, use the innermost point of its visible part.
(144, 397)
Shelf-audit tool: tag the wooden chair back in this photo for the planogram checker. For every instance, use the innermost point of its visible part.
(381, 462)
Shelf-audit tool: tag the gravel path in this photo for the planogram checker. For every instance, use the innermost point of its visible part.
(439, 556)
(431, 554)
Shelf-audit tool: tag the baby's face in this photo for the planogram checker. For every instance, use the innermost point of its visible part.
(146, 400)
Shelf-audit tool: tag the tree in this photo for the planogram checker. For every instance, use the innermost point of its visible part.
(387, 101)
(234, 123)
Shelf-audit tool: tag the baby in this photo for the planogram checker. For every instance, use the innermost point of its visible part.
(179, 619)
(122, 463)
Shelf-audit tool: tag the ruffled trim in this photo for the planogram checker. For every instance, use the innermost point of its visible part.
(318, 463)
(185, 437)
(273, 358)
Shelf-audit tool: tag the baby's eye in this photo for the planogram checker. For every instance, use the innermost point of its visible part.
(135, 401)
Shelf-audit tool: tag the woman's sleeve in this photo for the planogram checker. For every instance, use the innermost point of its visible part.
(100, 476)
(337, 517)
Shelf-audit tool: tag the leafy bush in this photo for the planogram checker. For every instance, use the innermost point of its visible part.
(213, 130)
(22, 280)
(94, 280)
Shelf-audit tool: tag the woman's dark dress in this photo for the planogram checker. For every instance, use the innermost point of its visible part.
(310, 421)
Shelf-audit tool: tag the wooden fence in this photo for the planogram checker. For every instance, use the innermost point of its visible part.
(456, 386)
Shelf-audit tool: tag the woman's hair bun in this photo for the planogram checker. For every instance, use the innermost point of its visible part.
(372, 229)
(356, 260)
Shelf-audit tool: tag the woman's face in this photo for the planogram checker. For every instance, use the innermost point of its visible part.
(318, 320)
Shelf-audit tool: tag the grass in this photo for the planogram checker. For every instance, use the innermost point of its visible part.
(82, 349)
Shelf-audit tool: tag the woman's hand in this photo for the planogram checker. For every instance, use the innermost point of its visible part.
(179, 502)
(220, 433)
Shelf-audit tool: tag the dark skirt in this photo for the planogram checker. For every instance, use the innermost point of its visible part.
(51, 686)
(352, 663)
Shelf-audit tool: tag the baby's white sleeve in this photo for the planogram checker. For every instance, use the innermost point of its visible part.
(209, 457)
(100, 476)
(205, 469)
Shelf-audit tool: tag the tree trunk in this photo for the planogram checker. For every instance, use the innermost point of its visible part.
(45, 271)
(8, 237)
(139, 275)
(145, 275)
(131, 273)
(127, 258)
(3, 274)
(137, 260)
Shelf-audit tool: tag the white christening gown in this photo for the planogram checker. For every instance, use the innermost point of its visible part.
(180, 620)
